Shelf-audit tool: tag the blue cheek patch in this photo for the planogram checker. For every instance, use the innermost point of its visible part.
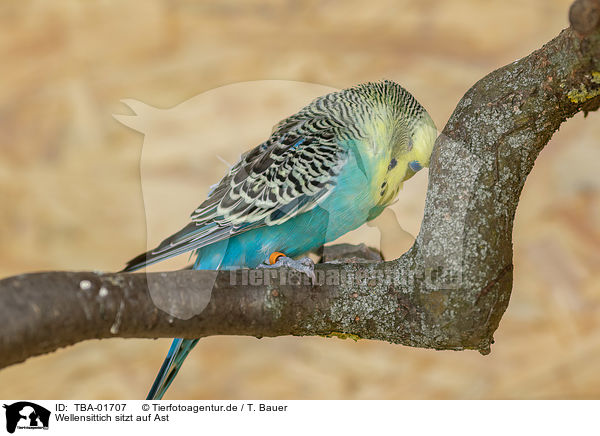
(415, 165)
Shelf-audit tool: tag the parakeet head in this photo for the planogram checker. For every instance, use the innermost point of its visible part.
(402, 135)
(394, 132)
(389, 123)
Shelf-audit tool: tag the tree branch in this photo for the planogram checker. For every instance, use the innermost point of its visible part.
(448, 291)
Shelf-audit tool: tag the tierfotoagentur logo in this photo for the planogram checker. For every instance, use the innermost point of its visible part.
(24, 415)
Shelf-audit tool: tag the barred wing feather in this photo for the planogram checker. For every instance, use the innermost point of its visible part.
(287, 175)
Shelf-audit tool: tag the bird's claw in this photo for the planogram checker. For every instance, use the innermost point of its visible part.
(304, 265)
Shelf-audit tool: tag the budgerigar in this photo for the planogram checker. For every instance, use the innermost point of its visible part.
(322, 173)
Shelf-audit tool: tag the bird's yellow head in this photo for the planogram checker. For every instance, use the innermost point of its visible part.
(397, 134)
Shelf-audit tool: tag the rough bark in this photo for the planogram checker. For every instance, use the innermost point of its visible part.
(448, 291)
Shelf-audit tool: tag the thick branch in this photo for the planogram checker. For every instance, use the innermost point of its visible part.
(448, 291)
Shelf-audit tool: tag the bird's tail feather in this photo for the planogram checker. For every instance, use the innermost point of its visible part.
(170, 367)
(186, 239)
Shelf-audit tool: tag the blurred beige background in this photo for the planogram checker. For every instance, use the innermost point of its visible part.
(72, 198)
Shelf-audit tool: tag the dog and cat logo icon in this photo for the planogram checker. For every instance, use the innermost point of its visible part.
(26, 415)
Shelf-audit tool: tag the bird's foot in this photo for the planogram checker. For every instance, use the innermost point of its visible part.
(304, 265)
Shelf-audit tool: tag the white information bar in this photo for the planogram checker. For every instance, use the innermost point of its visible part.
(22, 417)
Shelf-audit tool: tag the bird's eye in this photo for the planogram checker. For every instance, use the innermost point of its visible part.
(415, 165)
